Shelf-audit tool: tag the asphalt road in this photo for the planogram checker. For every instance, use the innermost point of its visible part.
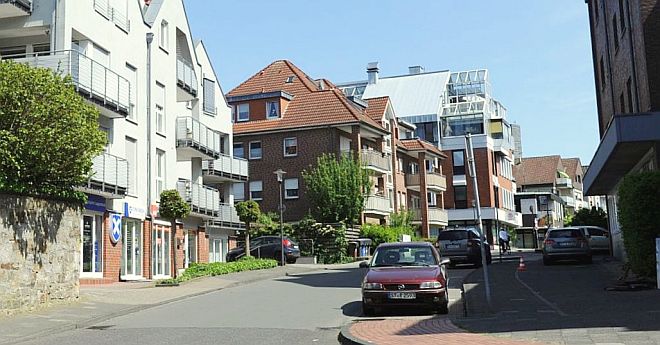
(302, 309)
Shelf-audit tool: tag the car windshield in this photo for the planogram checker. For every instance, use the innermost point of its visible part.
(565, 233)
(404, 256)
(452, 235)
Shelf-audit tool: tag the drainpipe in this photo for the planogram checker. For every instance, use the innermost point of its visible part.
(150, 38)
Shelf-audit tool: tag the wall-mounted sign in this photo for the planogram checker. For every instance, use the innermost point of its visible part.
(132, 211)
(95, 203)
(115, 228)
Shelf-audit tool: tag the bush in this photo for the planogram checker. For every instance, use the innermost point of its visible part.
(268, 224)
(383, 234)
(329, 240)
(639, 211)
(249, 263)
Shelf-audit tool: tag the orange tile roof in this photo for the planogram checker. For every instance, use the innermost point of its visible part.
(376, 107)
(273, 78)
(537, 170)
(417, 144)
(571, 165)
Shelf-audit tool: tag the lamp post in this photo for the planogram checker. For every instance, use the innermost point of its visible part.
(280, 179)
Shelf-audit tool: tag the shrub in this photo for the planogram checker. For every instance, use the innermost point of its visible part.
(383, 234)
(249, 263)
(639, 211)
(329, 240)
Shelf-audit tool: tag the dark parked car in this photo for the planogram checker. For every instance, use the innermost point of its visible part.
(462, 246)
(269, 247)
(405, 274)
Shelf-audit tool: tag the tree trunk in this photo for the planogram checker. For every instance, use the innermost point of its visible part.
(247, 239)
(174, 247)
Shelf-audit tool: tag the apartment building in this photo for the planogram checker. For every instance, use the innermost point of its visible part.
(167, 122)
(444, 106)
(283, 119)
(624, 36)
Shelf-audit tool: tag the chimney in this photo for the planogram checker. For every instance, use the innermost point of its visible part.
(415, 70)
(372, 72)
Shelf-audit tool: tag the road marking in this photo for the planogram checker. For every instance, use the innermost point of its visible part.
(548, 303)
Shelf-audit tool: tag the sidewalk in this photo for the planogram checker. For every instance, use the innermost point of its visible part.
(100, 303)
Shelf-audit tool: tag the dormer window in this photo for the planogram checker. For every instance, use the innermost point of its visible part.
(272, 110)
(243, 112)
(289, 79)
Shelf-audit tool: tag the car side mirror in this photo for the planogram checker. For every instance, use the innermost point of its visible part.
(445, 262)
(364, 264)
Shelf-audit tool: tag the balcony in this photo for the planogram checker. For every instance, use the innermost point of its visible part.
(225, 169)
(98, 83)
(434, 181)
(564, 182)
(376, 161)
(227, 218)
(109, 177)
(204, 201)
(186, 79)
(376, 204)
(570, 201)
(194, 139)
(15, 8)
(436, 216)
(113, 14)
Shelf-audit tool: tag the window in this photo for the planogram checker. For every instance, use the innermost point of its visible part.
(290, 147)
(255, 150)
(272, 110)
(622, 103)
(615, 32)
(160, 97)
(239, 150)
(414, 168)
(256, 190)
(209, 96)
(460, 196)
(291, 188)
(131, 160)
(238, 190)
(160, 171)
(400, 164)
(133, 80)
(160, 119)
(432, 198)
(602, 74)
(630, 95)
(289, 79)
(622, 18)
(427, 131)
(459, 162)
(164, 34)
(243, 112)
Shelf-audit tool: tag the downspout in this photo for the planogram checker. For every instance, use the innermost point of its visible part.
(150, 38)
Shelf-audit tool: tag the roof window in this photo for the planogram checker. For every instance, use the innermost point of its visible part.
(289, 79)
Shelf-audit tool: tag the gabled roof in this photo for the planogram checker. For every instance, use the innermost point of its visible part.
(377, 107)
(273, 78)
(571, 165)
(537, 170)
(417, 144)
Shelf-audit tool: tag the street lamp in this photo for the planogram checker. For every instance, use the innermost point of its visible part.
(280, 178)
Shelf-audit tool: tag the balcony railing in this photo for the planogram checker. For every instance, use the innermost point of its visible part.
(116, 16)
(203, 200)
(226, 167)
(570, 201)
(377, 204)
(190, 133)
(109, 176)
(15, 8)
(434, 181)
(376, 160)
(435, 215)
(563, 182)
(185, 76)
(92, 79)
(227, 218)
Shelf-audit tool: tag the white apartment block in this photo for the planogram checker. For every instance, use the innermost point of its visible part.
(167, 121)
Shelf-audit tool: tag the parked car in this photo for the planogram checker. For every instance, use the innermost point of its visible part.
(599, 238)
(269, 247)
(407, 274)
(462, 246)
(564, 244)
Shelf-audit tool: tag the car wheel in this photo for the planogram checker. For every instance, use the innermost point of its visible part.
(291, 261)
(368, 311)
(547, 261)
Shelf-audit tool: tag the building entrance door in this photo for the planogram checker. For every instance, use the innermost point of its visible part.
(160, 252)
(132, 243)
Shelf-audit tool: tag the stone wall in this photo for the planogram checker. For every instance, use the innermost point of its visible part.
(39, 253)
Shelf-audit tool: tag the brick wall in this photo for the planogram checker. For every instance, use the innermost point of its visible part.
(484, 165)
(202, 246)
(111, 252)
(146, 249)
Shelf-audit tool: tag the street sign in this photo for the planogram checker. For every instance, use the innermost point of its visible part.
(115, 228)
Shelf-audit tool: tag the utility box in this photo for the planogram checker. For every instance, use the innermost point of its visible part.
(363, 247)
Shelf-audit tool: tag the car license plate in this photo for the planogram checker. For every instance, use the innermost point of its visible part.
(401, 295)
(296, 246)
(453, 246)
(565, 244)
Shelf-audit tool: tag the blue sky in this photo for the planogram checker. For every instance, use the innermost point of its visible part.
(538, 52)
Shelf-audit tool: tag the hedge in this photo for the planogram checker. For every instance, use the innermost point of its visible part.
(383, 234)
(196, 270)
(639, 213)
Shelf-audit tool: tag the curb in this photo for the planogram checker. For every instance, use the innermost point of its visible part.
(346, 338)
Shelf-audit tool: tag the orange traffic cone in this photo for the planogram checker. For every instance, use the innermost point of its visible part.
(521, 266)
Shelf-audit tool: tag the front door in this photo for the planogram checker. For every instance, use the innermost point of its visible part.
(131, 265)
(217, 249)
(92, 246)
(160, 252)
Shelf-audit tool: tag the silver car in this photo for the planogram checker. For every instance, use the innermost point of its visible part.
(599, 238)
(462, 246)
(566, 244)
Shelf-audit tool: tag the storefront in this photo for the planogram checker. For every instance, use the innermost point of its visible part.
(91, 234)
(132, 243)
(161, 242)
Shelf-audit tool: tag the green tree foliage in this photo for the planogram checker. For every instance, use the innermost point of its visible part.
(173, 207)
(337, 188)
(248, 212)
(328, 241)
(639, 211)
(48, 133)
(589, 216)
(268, 224)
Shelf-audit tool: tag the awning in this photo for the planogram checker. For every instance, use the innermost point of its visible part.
(626, 141)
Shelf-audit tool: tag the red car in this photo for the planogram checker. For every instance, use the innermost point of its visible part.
(408, 274)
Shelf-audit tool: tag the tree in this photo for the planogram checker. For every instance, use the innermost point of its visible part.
(248, 212)
(337, 188)
(173, 207)
(48, 133)
(590, 216)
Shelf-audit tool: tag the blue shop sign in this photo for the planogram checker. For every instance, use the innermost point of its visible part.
(95, 203)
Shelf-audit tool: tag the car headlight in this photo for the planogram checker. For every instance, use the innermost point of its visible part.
(430, 285)
(372, 286)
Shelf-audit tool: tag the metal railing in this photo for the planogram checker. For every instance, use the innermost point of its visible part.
(377, 203)
(118, 17)
(192, 133)
(89, 77)
(109, 174)
(232, 167)
(228, 213)
(202, 199)
(433, 180)
(435, 215)
(570, 201)
(25, 5)
(563, 182)
(375, 159)
(185, 75)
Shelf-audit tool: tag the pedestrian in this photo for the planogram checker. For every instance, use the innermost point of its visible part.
(504, 241)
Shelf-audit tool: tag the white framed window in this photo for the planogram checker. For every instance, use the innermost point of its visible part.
(432, 198)
(291, 188)
(160, 172)
(414, 168)
(290, 147)
(91, 258)
(255, 150)
(238, 190)
(161, 119)
(256, 190)
(400, 164)
(133, 80)
(239, 150)
(164, 35)
(243, 112)
(272, 110)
